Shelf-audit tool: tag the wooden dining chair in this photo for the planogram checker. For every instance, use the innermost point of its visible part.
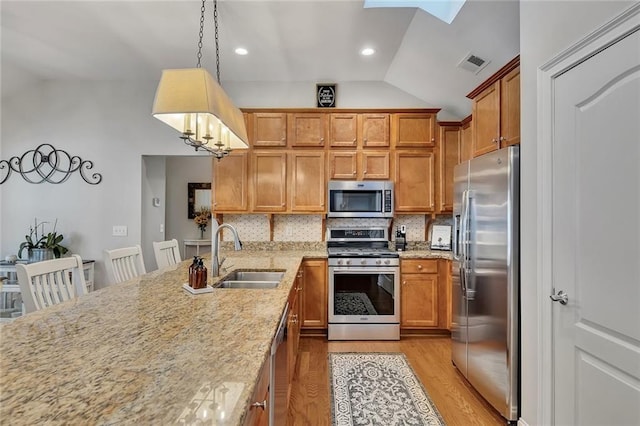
(167, 253)
(50, 282)
(123, 264)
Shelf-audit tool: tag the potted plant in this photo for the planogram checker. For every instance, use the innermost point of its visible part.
(41, 246)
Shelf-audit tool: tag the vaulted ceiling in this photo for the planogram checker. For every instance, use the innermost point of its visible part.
(288, 41)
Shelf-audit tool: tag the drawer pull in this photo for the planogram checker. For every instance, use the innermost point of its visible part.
(419, 266)
(262, 404)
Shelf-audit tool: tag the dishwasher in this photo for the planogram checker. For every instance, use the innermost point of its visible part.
(279, 374)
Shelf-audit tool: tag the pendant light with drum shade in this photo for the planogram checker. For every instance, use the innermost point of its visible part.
(193, 103)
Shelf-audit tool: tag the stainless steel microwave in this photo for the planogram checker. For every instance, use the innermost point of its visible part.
(349, 198)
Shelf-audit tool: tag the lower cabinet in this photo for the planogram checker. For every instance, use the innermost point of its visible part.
(258, 410)
(314, 295)
(425, 294)
(293, 330)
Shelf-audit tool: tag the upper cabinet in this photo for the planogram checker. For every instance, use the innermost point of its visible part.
(230, 186)
(269, 129)
(466, 139)
(414, 181)
(496, 110)
(307, 182)
(375, 130)
(414, 130)
(307, 129)
(353, 130)
(269, 189)
(448, 156)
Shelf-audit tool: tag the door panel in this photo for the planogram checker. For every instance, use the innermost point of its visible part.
(595, 249)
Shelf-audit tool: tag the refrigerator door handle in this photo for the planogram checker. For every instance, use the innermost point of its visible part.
(456, 237)
(463, 245)
(468, 292)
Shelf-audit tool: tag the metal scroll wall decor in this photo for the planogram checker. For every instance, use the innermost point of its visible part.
(47, 164)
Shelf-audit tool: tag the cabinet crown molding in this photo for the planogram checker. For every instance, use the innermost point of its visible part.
(510, 66)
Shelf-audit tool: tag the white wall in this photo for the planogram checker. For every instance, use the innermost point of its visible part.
(546, 29)
(181, 171)
(110, 123)
(153, 216)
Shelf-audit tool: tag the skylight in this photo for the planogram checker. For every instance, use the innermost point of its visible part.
(445, 10)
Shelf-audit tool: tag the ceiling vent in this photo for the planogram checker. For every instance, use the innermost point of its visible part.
(473, 63)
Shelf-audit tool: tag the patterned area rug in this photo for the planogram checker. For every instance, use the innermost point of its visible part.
(354, 304)
(378, 389)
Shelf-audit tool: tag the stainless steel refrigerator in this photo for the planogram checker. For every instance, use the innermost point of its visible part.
(486, 278)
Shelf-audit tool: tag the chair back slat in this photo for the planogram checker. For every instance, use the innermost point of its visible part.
(51, 282)
(167, 253)
(124, 263)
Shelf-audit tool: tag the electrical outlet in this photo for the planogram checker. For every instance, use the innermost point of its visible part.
(162, 228)
(288, 231)
(119, 231)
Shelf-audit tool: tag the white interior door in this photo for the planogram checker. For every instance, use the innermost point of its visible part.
(595, 239)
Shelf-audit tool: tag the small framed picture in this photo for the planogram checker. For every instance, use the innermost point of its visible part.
(441, 237)
(326, 95)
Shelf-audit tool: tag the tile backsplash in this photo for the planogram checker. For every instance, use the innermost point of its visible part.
(308, 228)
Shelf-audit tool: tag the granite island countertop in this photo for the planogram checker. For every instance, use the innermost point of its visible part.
(144, 351)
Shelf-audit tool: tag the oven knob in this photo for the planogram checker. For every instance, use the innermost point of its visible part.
(339, 262)
(378, 262)
(348, 262)
(387, 262)
(363, 262)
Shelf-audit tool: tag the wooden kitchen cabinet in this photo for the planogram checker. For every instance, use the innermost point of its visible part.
(307, 181)
(496, 110)
(343, 130)
(419, 293)
(466, 139)
(269, 183)
(425, 294)
(256, 414)
(269, 129)
(293, 330)
(448, 157)
(414, 130)
(314, 295)
(351, 130)
(359, 165)
(230, 182)
(414, 181)
(375, 130)
(307, 129)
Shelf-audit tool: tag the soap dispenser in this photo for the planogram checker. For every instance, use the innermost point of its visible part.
(192, 272)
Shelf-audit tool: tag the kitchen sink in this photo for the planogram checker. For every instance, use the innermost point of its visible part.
(251, 279)
(270, 275)
(247, 284)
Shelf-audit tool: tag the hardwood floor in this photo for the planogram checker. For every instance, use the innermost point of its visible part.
(430, 358)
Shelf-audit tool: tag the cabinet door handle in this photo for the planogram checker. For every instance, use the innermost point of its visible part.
(364, 173)
(494, 140)
(502, 139)
(262, 404)
(404, 282)
(354, 173)
(354, 141)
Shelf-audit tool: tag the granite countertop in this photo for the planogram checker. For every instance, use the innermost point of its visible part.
(144, 351)
(426, 254)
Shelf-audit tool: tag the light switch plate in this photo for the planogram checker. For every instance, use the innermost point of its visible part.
(119, 231)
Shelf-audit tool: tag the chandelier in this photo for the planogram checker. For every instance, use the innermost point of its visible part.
(193, 103)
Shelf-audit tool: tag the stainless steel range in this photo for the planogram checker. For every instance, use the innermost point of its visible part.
(364, 285)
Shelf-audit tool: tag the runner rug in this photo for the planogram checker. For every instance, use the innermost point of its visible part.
(378, 389)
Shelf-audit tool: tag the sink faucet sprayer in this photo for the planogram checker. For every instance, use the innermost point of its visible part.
(215, 264)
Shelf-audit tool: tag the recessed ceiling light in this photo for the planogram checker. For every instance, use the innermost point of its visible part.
(367, 51)
(241, 51)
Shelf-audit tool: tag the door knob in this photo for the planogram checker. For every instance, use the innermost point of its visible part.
(561, 297)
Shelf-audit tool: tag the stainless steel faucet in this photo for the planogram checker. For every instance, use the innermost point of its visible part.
(215, 263)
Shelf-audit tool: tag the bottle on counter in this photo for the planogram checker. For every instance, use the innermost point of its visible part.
(201, 275)
(192, 272)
